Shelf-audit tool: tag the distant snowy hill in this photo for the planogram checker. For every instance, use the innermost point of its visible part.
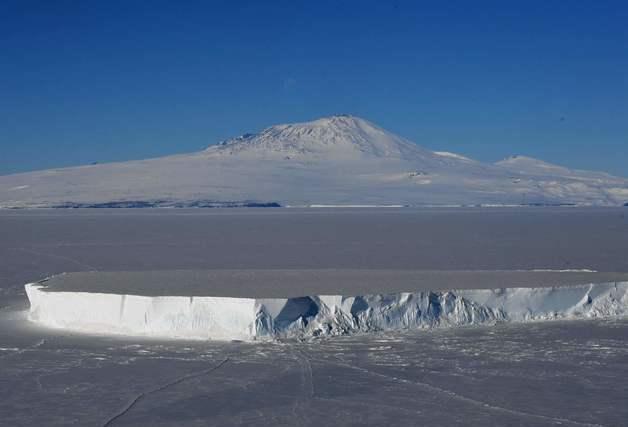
(338, 160)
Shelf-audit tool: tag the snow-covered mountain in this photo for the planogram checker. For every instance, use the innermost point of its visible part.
(340, 137)
(338, 160)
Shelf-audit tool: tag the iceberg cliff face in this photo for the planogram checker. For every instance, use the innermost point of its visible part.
(226, 318)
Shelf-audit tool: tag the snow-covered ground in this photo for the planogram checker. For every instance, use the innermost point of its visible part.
(541, 374)
(334, 161)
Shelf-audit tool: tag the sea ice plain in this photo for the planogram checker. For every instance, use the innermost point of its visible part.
(537, 374)
(556, 373)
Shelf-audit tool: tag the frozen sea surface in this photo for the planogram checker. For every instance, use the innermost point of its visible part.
(39, 243)
(559, 373)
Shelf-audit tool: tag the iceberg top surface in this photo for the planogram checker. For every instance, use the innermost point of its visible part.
(296, 282)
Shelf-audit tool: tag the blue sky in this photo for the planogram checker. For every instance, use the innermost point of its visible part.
(104, 81)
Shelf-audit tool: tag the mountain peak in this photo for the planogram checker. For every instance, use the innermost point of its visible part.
(338, 136)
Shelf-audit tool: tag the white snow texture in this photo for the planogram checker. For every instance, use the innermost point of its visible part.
(334, 161)
(226, 318)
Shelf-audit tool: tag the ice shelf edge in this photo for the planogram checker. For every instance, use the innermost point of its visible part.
(227, 318)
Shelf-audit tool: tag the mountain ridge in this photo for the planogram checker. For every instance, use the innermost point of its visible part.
(336, 160)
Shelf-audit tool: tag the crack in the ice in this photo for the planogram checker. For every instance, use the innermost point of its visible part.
(145, 394)
(463, 398)
(25, 349)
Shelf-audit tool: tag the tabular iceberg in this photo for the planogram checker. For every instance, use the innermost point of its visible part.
(228, 318)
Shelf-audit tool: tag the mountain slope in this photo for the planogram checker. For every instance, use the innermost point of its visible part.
(338, 160)
(532, 166)
(338, 137)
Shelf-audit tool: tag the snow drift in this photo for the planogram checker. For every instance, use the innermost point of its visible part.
(227, 318)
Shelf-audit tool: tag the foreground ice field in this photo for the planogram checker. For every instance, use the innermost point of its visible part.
(539, 374)
(569, 373)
